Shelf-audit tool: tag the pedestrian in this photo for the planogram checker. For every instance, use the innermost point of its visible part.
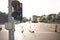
(55, 28)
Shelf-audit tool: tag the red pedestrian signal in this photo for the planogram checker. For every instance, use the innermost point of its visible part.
(16, 5)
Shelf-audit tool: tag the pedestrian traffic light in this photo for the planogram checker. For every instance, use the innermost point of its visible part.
(17, 14)
(16, 5)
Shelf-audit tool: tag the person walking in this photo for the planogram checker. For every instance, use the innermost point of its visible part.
(55, 28)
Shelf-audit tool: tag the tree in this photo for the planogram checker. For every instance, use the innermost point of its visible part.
(3, 17)
(25, 19)
(57, 19)
(42, 19)
(51, 17)
(29, 19)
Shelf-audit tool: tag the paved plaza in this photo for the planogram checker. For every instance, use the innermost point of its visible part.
(40, 33)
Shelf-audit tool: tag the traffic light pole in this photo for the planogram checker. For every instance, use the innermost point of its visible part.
(11, 20)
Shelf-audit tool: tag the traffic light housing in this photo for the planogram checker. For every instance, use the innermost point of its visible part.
(17, 14)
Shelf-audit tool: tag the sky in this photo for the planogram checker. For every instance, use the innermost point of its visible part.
(35, 7)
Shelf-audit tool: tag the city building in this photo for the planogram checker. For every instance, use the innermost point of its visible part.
(35, 18)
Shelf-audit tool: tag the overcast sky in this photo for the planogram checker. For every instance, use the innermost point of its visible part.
(34, 7)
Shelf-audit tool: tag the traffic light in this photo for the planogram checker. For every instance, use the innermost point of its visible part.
(16, 5)
(17, 14)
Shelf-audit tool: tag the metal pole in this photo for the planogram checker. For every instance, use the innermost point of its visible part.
(11, 20)
(11, 34)
(11, 31)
